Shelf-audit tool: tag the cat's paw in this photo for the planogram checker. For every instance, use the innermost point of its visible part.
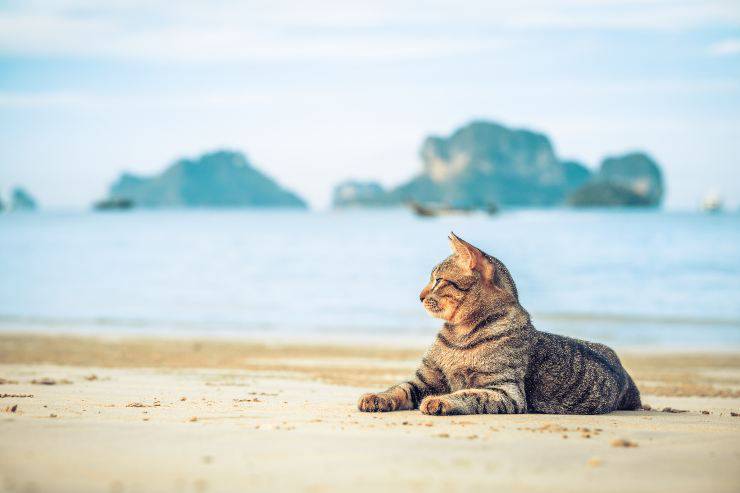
(371, 403)
(438, 405)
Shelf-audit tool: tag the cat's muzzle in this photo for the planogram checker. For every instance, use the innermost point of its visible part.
(432, 305)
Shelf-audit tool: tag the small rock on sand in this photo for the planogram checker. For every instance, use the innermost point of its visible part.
(623, 442)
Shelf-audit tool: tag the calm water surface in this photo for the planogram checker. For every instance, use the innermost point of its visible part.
(626, 278)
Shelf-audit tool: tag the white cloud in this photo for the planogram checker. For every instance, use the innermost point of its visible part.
(727, 47)
(189, 100)
(215, 98)
(226, 30)
(215, 39)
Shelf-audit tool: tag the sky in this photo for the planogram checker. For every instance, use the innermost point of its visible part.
(318, 92)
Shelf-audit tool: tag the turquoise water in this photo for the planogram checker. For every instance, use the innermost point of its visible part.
(626, 278)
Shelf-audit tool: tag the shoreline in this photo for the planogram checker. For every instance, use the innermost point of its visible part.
(157, 414)
(420, 339)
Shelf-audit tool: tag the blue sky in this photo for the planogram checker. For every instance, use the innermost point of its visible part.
(317, 92)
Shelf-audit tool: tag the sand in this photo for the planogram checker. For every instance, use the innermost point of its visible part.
(91, 414)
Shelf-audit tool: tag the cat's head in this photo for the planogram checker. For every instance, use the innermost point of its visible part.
(467, 284)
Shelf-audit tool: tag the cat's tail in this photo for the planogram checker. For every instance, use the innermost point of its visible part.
(631, 398)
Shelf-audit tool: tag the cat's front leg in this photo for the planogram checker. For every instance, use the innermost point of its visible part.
(475, 401)
(428, 380)
(400, 397)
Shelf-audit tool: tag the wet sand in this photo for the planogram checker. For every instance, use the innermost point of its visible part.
(92, 414)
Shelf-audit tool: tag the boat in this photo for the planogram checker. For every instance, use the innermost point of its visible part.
(113, 204)
(431, 210)
(424, 211)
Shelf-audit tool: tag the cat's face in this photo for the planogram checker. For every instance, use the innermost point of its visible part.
(462, 285)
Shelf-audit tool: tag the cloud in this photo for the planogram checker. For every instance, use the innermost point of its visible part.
(211, 39)
(728, 47)
(185, 100)
(215, 98)
(224, 30)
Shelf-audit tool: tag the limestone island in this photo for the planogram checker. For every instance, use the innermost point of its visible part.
(484, 165)
(216, 179)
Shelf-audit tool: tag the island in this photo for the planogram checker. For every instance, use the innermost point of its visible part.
(633, 179)
(622, 181)
(215, 179)
(352, 193)
(22, 201)
(484, 164)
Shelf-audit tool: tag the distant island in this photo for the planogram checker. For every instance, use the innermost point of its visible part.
(20, 201)
(485, 164)
(216, 179)
(630, 180)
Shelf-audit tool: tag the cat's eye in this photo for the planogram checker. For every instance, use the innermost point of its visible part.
(458, 286)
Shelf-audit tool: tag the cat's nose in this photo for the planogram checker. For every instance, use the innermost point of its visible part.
(423, 294)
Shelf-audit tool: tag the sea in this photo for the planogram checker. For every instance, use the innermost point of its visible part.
(638, 279)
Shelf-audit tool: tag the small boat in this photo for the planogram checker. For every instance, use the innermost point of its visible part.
(712, 203)
(424, 211)
(113, 204)
(427, 210)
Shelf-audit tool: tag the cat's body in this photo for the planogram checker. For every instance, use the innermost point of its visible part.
(488, 358)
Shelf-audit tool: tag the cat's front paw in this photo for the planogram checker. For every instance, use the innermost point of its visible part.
(371, 403)
(438, 405)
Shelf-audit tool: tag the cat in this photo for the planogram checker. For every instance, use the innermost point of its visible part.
(489, 359)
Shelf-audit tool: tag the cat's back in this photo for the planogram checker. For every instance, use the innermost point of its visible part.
(573, 376)
(547, 342)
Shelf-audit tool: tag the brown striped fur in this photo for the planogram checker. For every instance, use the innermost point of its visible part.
(488, 358)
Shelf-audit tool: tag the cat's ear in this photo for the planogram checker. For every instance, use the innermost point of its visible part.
(472, 257)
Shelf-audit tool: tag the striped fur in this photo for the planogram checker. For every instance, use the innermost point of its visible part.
(489, 359)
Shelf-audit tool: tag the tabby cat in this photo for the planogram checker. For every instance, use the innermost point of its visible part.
(488, 358)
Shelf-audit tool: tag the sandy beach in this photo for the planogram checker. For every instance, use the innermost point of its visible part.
(102, 414)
